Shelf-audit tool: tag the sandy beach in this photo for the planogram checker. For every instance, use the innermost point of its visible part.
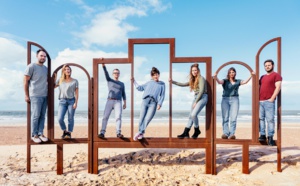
(148, 166)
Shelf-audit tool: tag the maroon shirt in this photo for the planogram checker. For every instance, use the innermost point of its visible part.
(267, 85)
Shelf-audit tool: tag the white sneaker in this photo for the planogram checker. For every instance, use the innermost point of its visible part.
(136, 136)
(43, 138)
(140, 136)
(36, 139)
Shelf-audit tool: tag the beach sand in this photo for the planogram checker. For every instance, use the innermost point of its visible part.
(148, 166)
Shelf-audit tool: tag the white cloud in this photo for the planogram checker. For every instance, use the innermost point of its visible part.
(109, 28)
(13, 55)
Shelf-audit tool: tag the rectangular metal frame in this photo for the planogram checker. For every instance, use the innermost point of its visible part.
(168, 142)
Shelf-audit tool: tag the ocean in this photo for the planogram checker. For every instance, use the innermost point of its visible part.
(8, 118)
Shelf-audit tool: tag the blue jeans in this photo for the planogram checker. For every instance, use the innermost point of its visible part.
(38, 111)
(64, 106)
(266, 112)
(193, 118)
(148, 110)
(230, 107)
(110, 105)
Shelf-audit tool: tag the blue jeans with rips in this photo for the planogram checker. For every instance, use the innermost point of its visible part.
(38, 111)
(64, 106)
(117, 106)
(230, 109)
(266, 112)
(148, 110)
(193, 117)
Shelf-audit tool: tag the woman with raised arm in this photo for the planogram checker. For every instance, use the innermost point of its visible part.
(230, 101)
(197, 83)
(68, 100)
(153, 97)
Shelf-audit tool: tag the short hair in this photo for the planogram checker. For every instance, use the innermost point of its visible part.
(154, 71)
(117, 70)
(269, 60)
(40, 50)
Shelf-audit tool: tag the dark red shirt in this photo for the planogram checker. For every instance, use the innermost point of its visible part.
(267, 85)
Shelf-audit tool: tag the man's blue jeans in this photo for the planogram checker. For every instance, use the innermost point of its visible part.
(148, 110)
(38, 111)
(64, 106)
(193, 118)
(230, 109)
(117, 106)
(266, 112)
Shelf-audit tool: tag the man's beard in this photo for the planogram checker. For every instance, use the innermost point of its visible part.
(42, 61)
(271, 70)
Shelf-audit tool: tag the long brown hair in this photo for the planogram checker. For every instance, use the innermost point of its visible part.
(63, 76)
(194, 80)
(231, 69)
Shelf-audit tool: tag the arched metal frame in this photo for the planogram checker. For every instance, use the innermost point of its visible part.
(244, 142)
(29, 141)
(50, 119)
(61, 142)
(168, 142)
(278, 141)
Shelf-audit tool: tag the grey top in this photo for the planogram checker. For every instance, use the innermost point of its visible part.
(116, 88)
(67, 89)
(38, 84)
(230, 89)
(153, 89)
(199, 91)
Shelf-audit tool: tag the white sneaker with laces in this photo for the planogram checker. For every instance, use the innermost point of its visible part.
(43, 138)
(36, 139)
(136, 136)
(140, 136)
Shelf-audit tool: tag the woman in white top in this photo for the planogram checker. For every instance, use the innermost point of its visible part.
(68, 99)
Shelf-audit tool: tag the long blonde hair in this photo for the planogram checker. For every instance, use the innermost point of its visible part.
(194, 80)
(63, 76)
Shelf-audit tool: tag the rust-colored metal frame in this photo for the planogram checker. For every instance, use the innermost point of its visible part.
(244, 142)
(168, 142)
(255, 114)
(50, 122)
(278, 141)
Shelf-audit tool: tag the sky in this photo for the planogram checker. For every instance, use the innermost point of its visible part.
(77, 31)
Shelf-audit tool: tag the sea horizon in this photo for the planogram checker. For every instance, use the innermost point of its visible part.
(15, 117)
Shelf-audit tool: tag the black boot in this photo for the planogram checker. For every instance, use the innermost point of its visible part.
(262, 138)
(196, 133)
(185, 134)
(271, 142)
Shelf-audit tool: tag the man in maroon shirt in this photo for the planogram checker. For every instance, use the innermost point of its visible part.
(269, 88)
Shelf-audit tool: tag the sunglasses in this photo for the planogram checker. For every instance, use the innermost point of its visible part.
(116, 73)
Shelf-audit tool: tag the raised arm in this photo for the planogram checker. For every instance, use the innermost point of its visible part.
(178, 83)
(137, 86)
(217, 79)
(247, 80)
(105, 72)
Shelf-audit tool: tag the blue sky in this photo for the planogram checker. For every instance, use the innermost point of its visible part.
(78, 31)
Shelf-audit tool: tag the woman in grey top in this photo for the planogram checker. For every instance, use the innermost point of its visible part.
(230, 101)
(68, 99)
(153, 97)
(197, 83)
